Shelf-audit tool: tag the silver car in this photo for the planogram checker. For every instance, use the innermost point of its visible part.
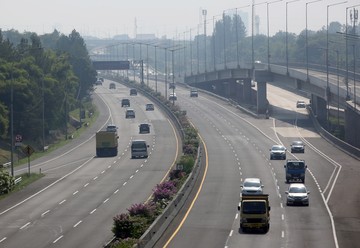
(297, 146)
(297, 194)
(278, 152)
(252, 186)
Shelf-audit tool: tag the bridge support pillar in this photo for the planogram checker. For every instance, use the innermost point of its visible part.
(262, 103)
(247, 90)
(318, 106)
(352, 124)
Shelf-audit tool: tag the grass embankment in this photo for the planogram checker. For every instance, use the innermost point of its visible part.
(26, 179)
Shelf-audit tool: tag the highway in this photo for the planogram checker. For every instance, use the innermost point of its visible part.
(73, 205)
(238, 147)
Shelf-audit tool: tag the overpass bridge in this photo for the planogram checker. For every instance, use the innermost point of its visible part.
(325, 90)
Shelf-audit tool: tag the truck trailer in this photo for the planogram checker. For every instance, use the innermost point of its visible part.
(254, 212)
(106, 144)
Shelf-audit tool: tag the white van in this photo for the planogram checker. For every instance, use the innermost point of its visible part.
(139, 149)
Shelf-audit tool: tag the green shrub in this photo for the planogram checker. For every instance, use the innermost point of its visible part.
(7, 182)
(124, 243)
(188, 163)
(127, 226)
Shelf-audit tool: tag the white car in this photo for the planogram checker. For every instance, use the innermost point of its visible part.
(111, 128)
(252, 186)
(172, 97)
(300, 104)
(297, 194)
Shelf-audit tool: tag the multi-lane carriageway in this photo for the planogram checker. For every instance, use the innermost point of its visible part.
(80, 194)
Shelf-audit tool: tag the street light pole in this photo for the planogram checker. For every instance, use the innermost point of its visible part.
(224, 40)
(306, 38)
(12, 124)
(338, 87)
(156, 72)
(327, 94)
(346, 51)
(268, 28)
(286, 33)
(191, 57)
(204, 12)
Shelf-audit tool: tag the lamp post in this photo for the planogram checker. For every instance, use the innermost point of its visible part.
(214, 57)
(338, 87)
(287, 48)
(327, 95)
(252, 33)
(237, 34)
(346, 51)
(268, 28)
(172, 68)
(191, 59)
(224, 40)
(156, 72)
(165, 72)
(12, 124)
(204, 12)
(306, 37)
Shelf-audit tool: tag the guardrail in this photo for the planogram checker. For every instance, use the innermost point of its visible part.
(18, 180)
(347, 148)
(6, 165)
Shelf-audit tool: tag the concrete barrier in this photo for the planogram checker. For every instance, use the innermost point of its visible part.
(158, 227)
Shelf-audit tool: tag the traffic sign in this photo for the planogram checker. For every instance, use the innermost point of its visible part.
(28, 150)
(18, 138)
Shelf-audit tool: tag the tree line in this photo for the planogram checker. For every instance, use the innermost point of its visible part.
(42, 78)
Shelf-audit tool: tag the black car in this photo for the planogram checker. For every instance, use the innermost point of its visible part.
(297, 146)
(149, 107)
(125, 102)
(144, 128)
(133, 92)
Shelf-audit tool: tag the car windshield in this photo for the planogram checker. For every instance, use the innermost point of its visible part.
(278, 148)
(297, 143)
(295, 165)
(251, 184)
(254, 208)
(297, 190)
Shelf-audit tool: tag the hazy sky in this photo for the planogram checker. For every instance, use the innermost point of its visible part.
(107, 18)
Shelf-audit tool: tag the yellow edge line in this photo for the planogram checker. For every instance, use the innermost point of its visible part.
(195, 198)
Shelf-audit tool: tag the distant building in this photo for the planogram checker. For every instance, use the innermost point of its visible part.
(121, 37)
(145, 37)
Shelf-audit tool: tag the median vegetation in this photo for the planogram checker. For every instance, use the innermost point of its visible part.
(130, 226)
